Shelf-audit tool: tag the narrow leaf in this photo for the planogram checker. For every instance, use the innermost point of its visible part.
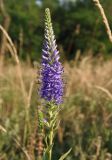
(65, 155)
(45, 156)
(46, 152)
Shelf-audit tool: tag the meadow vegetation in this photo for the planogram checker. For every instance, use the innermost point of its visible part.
(85, 118)
(86, 115)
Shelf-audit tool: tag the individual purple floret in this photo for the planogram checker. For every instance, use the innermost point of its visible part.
(51, 72)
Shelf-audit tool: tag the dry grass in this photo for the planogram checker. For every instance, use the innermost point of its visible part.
(88, 100)
(105, 20)
(89, 74)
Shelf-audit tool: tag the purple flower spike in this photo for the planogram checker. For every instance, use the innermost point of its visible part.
(51, 73)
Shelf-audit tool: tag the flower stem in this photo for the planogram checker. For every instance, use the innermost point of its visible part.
(50, 134)
(51, 142)
(52, 112)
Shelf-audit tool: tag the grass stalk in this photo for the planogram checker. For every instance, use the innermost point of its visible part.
(105, 20)
(50, 141)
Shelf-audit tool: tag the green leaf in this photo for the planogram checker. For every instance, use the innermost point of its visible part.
(46, 152)
(45, 156)
(65, 155)
(49, 148)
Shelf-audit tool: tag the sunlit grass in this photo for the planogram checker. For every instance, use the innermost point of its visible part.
(85, 119)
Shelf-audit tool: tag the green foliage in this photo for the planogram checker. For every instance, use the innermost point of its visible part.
(79, 27)
(25, 18)
(87, 124)
(65, 155)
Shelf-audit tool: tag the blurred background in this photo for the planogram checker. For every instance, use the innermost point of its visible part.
(86, 118)
(77, 24)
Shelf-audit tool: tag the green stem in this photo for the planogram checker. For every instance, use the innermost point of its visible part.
(51, 136)
(51, 141)
(52, 124)
(26, 126)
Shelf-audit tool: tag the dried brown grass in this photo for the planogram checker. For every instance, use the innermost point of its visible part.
(88, 75)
